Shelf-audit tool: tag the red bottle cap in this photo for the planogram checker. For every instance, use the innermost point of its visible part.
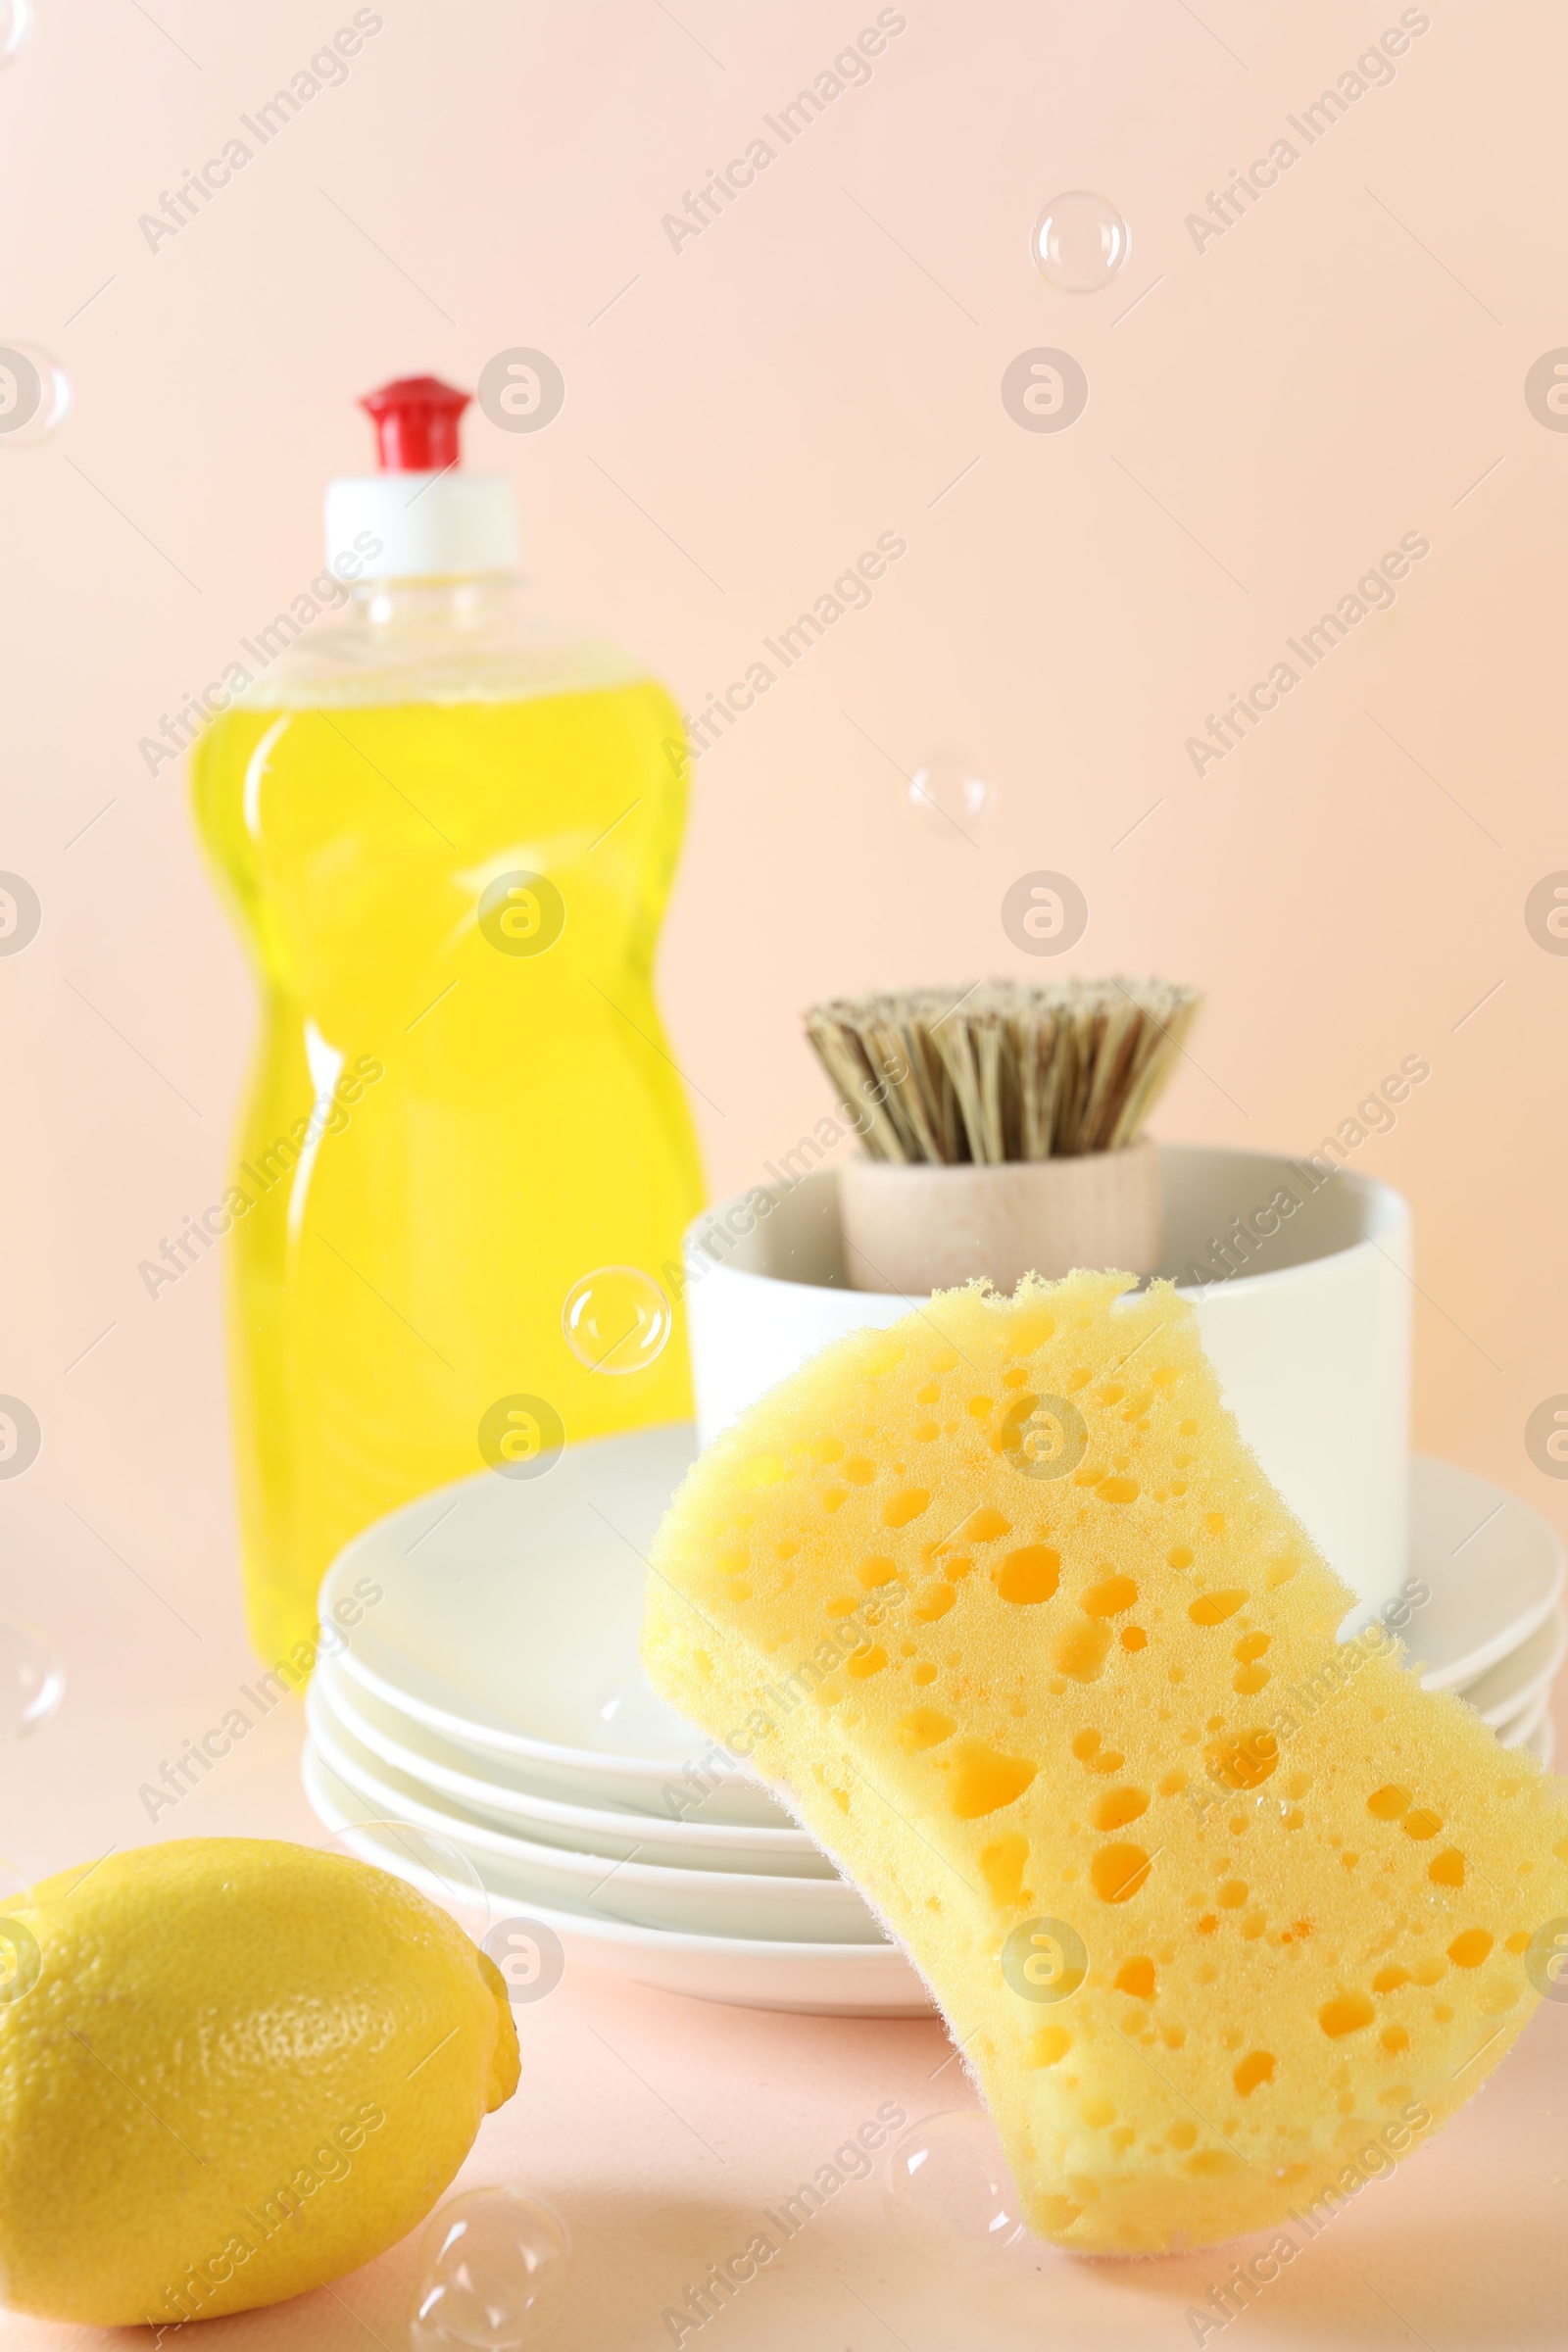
(415, 422)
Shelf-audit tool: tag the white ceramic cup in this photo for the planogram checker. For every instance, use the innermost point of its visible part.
(1309, 1330)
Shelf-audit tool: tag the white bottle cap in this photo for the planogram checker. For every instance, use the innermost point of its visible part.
(420, 525)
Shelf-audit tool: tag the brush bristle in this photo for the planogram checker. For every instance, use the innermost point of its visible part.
(1005, 1070)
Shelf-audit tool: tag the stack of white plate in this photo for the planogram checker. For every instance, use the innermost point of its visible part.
(486, 1722)
(489, 1705)
(1495, 1629)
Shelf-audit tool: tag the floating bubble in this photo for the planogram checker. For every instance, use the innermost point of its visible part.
(948, 2192)
(32, 1682)
(494, 2273)
(1080, 242)
(34, 389)
(949, 796)
(616, 1319)
(12, 1885)
(15, 28)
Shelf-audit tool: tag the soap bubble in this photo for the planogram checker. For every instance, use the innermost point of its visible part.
(494, 2273)
(616, 1319)
(1080, 242)
(31, 1681)
(15, 28)
(948, 2192)
(34, 389)
(949, 797)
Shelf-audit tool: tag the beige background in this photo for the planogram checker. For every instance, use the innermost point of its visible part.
(1345, 365)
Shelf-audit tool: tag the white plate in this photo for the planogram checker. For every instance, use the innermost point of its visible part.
(1543, 1741)
(1525, 1726)
(509, 1623)
(650, 1895)
(335, 1704)
(821, 1980)
(1524, 1676)
(1494, 1565)
(511, 1610)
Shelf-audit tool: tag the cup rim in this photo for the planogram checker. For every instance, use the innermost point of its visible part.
(1387, 1213)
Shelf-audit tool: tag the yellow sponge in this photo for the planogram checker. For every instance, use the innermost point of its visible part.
(1214, 1906)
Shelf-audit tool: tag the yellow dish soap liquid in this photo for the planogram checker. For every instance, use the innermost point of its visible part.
(466, 1160)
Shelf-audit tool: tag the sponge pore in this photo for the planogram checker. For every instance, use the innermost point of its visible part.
(1224, 1914)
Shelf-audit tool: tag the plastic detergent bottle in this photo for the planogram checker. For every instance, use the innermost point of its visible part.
(466, 1160)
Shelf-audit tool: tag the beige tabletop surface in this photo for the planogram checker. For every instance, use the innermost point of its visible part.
(661, 2127)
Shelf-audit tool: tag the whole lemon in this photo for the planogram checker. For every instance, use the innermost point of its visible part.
(230, 2070)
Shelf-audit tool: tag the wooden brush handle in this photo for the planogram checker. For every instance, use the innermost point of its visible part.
(912, 1229)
